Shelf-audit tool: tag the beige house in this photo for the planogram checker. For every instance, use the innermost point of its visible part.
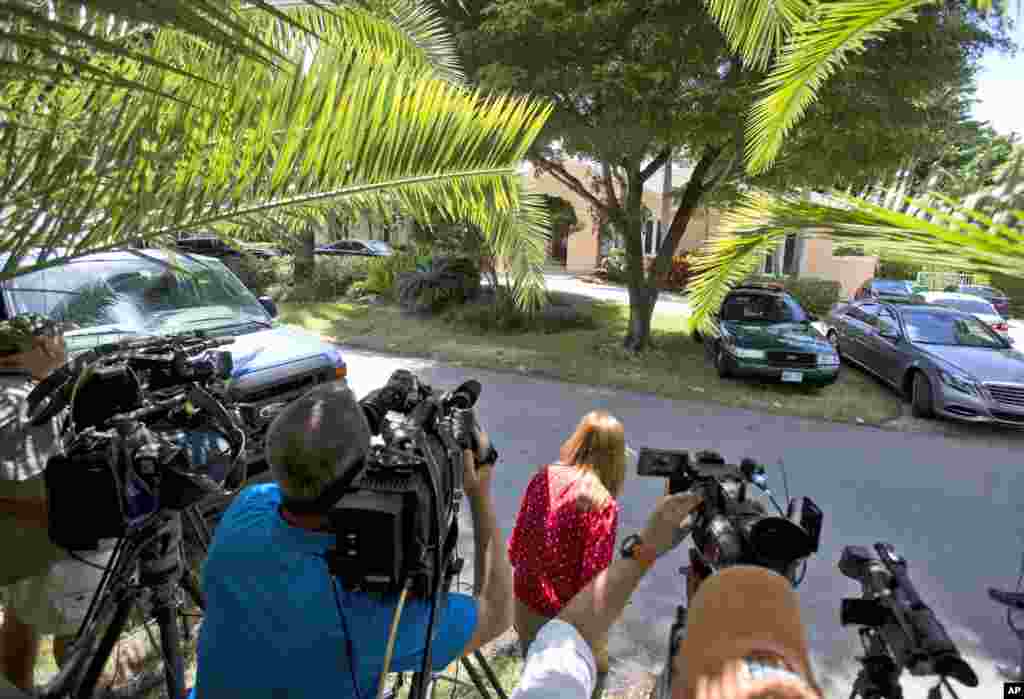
(800, 255)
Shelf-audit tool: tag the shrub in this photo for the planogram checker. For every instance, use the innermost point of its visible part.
(615, 265)
(501, 315)
(445, 282)
(815, 295)
(677, 275)
(382, 273)
(331, 279)
(258, 274)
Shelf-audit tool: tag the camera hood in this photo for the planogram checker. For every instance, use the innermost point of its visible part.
(778, 539)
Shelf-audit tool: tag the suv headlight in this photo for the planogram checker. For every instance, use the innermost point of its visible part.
(828, 359)
(748, 353)
(959, 382)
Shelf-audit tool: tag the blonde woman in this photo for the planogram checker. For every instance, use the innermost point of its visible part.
(565, 530)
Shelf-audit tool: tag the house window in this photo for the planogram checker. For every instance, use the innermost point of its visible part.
(789, 255)
(769, 263)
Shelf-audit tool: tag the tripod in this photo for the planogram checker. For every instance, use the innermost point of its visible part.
(879, 676)
(147, 570)
(473, 672)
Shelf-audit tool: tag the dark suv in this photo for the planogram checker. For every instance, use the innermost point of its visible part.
(209, 245)
(117, 295)
(879, 288)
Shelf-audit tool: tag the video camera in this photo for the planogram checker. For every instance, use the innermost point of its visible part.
(128, 403)
(395, 519)
(728, 527)
(899, 629)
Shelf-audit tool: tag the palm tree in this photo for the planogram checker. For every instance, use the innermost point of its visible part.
(217, 114)
(802, 43)
(983, 233)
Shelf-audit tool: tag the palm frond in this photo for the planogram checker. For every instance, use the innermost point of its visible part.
(942, 232)
(63, 41)
(818, 46)
(757, 29)
(103, 165)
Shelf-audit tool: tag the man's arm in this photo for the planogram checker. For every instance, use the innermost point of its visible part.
(596, 607)
(493, 573)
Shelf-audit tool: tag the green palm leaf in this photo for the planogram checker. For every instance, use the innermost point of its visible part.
(757, 29)
(941, 232)
(817, 48)
(361, 122)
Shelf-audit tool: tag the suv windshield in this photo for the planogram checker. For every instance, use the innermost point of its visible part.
(892, 286)
(762, 308)
(967, 306)
(123, 294)
(933, 327)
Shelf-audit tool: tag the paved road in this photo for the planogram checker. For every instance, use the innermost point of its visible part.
(955, 508)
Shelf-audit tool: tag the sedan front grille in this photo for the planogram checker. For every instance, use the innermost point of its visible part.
(797, 359)
(1007, 394)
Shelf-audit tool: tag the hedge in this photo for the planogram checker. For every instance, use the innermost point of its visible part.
(815, 295)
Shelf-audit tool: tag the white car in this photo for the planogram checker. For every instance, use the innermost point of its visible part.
(975, 305)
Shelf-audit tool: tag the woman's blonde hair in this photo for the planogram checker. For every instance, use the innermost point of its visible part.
(599, 446)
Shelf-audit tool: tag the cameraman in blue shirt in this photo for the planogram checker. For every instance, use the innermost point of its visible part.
(276, 622)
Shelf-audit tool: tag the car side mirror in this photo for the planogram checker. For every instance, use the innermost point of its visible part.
(268, 305)
(889, 332)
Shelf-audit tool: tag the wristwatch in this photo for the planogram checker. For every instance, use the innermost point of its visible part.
(634, 547)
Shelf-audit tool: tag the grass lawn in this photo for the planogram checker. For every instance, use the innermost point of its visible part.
(675, 368)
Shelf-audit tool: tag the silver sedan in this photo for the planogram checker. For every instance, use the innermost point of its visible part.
(945, 361)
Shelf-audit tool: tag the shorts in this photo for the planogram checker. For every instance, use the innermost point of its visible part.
(56, 602)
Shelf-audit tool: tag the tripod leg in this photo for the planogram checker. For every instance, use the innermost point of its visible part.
(170, 644)
(489, 671)
(477, 680)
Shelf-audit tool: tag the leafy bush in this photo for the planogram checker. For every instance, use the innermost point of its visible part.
(446, 281)
(615, 265)
(890, 269)
(501, 315)
(258, 274)
(677, 274)
(1013, 287)
(815, 295)
(331, 279)
(382, 273)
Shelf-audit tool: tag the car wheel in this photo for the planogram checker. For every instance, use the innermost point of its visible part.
(722, 362)
(921, 397)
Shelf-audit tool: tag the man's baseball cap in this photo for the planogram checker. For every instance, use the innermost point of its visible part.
(19, 333)
(743, 612)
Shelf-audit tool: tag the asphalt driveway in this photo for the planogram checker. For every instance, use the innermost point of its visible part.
(953, 506)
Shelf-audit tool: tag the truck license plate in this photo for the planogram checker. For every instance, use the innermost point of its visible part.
(792, 376)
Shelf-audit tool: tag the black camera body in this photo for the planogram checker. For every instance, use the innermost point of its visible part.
(729, 528)
(893, 610)
(119, 468)
(396, 523)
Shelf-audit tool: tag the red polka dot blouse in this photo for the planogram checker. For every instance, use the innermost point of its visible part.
(557, 547)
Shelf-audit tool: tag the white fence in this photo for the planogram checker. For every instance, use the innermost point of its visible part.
(938, 281)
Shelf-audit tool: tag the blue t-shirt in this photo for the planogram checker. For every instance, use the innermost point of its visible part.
(272, 628)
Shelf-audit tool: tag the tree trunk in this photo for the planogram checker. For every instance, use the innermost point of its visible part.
(642, 295)
(305, 262)
(695, 189)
